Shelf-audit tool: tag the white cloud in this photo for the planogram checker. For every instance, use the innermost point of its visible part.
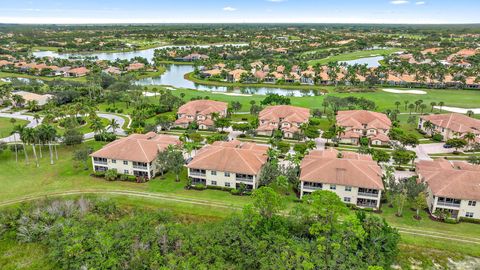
(399, 2)
(419, 3)
(229, 9)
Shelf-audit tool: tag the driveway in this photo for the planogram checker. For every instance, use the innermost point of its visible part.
(423, 150)
(119, 131)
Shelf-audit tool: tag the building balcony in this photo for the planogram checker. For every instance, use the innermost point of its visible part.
(197, 174)
(448, 204)
(100, 162)
(243, 179)
(140, 167)
(368, 194)
(312, 187)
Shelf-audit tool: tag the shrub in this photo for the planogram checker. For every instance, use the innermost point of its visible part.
(470, 220)
(235, 192)
(123, 177)
(99, 174)
(199, 187)
(120, 111)
(19, 147)
(111, 175)
(219, 188)
(105, 137)
(437, 137)
(450, 221)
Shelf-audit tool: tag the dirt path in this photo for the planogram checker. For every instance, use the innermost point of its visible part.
(175, 198)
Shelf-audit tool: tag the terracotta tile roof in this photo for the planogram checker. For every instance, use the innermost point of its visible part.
(135, 66)
(203, 107)
(28, 96)
(458, 180)
(285, 112)
(359, 118)
(380, 137)
(233, 156)
(137, 147)
(79, 71)
(455, 122)
(352, 169)
(237, 73)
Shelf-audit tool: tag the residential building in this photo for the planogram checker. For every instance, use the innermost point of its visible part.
(133, 155)
(360, 123)
(77, 72)
(135, 66)
(450, 125)
(200, 111)
(286, 118)
(451, 186)
(113, 70)
(355, 178)
(28, 96)
(228, 164)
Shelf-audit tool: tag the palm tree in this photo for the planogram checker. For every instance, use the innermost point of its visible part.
(406, 104)
(411, 107)
(114, 125)
(441, 104)
(469, 137)
(397, 103)
(433, 104)
(13, 121)
(21, 130)
(97, 125)
(36, 117)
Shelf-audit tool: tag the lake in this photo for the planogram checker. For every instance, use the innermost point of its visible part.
(373, 61)
(174, 75)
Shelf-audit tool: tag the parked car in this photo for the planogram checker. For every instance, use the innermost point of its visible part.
(447, 146)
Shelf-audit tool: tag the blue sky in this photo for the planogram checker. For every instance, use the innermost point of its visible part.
(239, 11)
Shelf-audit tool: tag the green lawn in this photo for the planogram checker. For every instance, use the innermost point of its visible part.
(353, 56)
(20, 180)
(27, 76)
(6, 126)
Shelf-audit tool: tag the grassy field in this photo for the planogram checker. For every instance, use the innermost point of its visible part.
(6, 127)
(84, 128)
(20, 180)
(353, 56)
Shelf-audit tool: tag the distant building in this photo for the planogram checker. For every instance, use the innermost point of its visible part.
(453, 187)
(360, 123)
(228, 164)
(355, 178)
(133, 155)
(28, 96)
(286, 118)
(200, 111)
(451, 125)
(77, 72)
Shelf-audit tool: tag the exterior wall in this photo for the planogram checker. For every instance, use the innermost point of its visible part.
(349, 140)
(445, 132)
(128, 168)
(222, 180)
(265, 133)
(463, 209)
(342, 193)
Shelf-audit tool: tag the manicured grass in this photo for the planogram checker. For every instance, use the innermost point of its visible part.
(83, 128)
(6, 127)
(353, 56)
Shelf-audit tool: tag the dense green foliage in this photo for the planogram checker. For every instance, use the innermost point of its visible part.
(96, 234)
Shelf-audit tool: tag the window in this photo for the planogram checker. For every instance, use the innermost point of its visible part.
(347, 188)
(227, 184)
(213, 172)
(114, 161)
(472, 203)
(125, 171)
(333, 187)
(346, 199)
(227, 174)
(125, 162)
(469, 214)
(214, 183)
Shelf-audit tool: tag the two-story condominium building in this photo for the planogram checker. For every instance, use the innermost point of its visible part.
(282, 117)
(355, 178)
(200, 111)
(133, 155)
(451, 186)
(451, 125)
(360, 123)
(228, 164)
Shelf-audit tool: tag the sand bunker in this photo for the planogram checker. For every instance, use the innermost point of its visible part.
(458, 110)
(397, 91)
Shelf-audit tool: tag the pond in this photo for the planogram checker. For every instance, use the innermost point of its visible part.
(174, 75)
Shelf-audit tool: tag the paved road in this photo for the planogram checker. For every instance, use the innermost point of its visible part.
(120, 121)
(18, 115)
(423, 150)
(33, 123)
